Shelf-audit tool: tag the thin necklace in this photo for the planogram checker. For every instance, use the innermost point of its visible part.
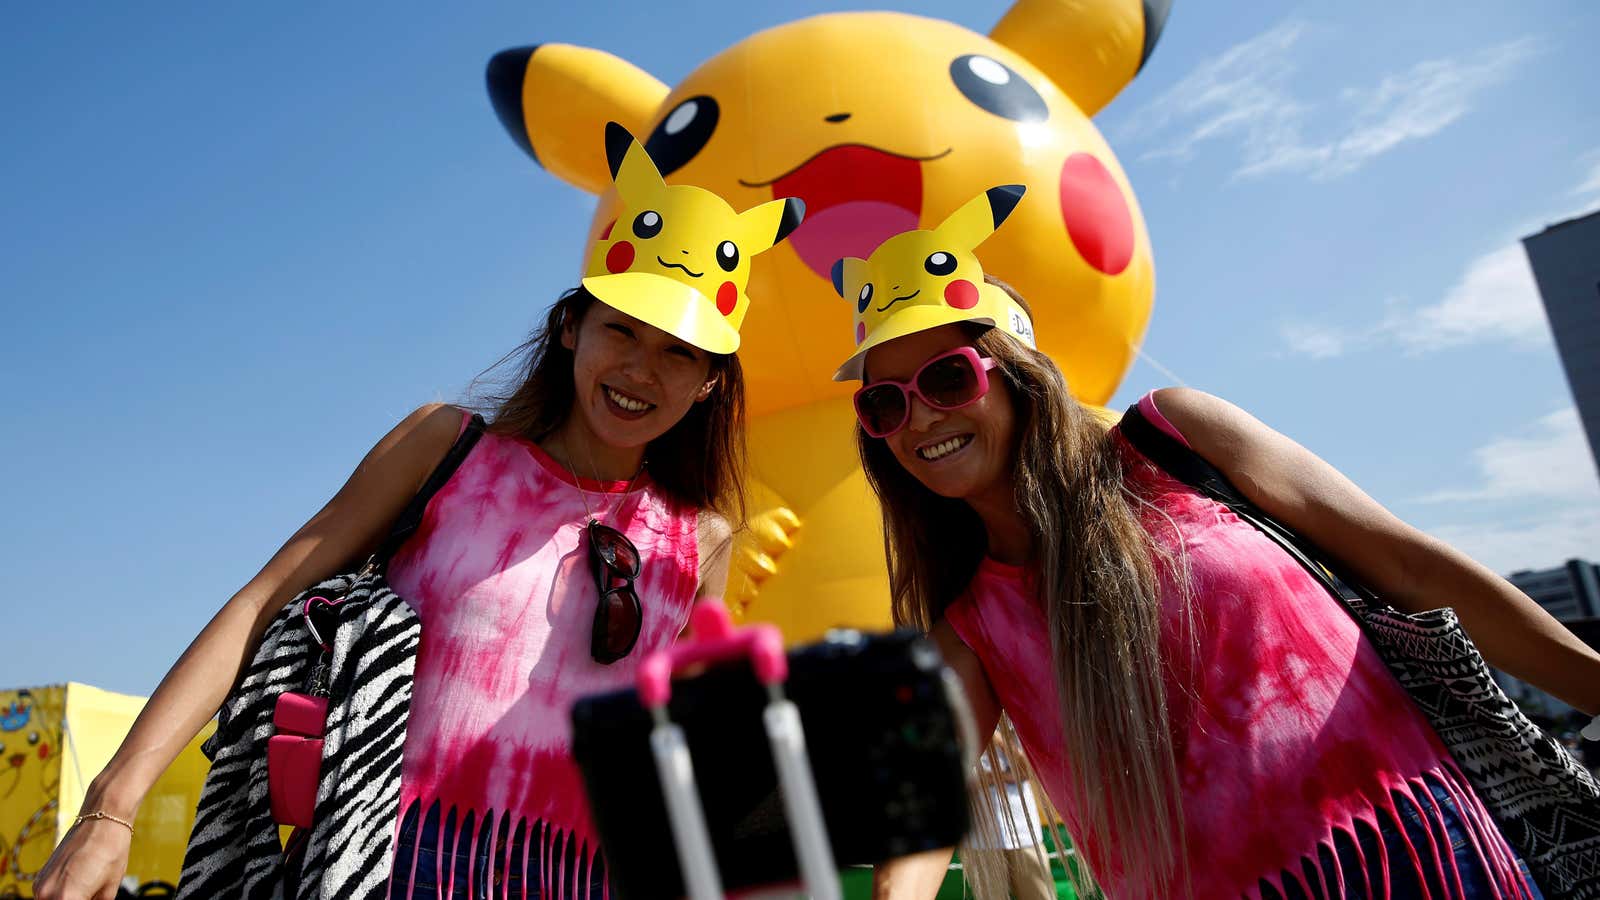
(593, 470)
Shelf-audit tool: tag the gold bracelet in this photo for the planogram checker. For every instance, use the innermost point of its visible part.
(102, 814)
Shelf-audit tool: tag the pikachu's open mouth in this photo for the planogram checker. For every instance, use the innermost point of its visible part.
(856, 198)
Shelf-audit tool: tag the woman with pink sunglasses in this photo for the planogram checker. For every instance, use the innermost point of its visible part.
(1204, 718)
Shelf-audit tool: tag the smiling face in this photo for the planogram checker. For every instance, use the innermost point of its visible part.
(964, 454)
(24, 741)
(18, 750)
(632, 381)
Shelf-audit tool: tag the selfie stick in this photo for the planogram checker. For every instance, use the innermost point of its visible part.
(716, 640)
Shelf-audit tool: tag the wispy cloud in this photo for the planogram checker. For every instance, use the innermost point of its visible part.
(1549, 461)
(1313, 341)
(1246, 98)
(1239, 94)
(1590, 185)
(1494, 300)
(1535, 500)
(1536, 540)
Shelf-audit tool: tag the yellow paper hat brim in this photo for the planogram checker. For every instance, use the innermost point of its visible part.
(668, 304)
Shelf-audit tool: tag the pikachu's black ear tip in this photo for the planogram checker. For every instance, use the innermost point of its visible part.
(794, 212)
(618, 140)
(1004, 199)
(1155, 21)
(503, 77)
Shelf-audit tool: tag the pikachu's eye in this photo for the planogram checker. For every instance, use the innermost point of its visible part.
(683, 133)
(994, 87)
(939, 263)
(647, 225)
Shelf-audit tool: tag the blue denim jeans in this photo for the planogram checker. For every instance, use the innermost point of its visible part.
(423, 872)
(1403, 882)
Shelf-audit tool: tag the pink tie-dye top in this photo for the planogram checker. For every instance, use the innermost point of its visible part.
(1291, 728)
(499, 577)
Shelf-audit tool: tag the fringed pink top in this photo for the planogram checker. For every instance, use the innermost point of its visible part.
(498, 574)
(1288, 727)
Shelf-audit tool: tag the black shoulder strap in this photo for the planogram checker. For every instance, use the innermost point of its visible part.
(1177, 459)
(411, 517)
(1189, 467)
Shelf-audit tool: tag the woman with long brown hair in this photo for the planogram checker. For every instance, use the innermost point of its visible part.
(571, 541)
(1204, 718)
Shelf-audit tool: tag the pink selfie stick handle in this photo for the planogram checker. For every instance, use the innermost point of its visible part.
(714, 640)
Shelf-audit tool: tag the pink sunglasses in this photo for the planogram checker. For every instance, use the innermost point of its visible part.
(945, 382)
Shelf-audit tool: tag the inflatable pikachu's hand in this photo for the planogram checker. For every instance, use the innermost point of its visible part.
(757, 548)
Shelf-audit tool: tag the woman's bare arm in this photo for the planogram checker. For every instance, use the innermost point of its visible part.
(1406, 567)
(348, 527)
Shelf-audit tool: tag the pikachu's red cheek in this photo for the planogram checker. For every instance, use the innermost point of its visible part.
(961, 294)
(619, 257)
(1096, 214)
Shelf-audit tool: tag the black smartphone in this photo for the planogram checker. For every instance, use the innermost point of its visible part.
(887, 731)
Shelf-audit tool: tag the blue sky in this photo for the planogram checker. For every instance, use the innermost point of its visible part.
(237, 245)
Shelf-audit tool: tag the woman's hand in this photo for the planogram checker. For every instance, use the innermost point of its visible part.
(88, 865)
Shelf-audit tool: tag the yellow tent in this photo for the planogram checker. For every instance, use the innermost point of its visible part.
(53, 741)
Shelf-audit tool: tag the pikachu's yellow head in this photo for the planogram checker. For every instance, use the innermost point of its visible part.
(919, 280)
(880, 122)
(681, 256)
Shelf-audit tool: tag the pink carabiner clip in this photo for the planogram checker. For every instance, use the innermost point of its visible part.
(305, 613)
(715, 639)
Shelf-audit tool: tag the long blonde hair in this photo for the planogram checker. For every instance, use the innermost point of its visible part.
(1097, 577)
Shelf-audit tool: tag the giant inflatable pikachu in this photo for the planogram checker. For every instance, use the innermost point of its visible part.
(879, 122)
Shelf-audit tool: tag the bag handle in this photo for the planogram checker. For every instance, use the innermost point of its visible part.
(321, 649)
(404, 526)
(411, 517)
(1191, 468)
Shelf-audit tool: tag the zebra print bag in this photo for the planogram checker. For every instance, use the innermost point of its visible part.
(234, 849)
(1546, 804)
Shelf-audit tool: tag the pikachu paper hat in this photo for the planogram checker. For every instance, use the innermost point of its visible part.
(678, 256)
(919, 280)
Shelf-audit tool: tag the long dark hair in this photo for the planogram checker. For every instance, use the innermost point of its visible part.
(698, 461)
(1097, 580)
